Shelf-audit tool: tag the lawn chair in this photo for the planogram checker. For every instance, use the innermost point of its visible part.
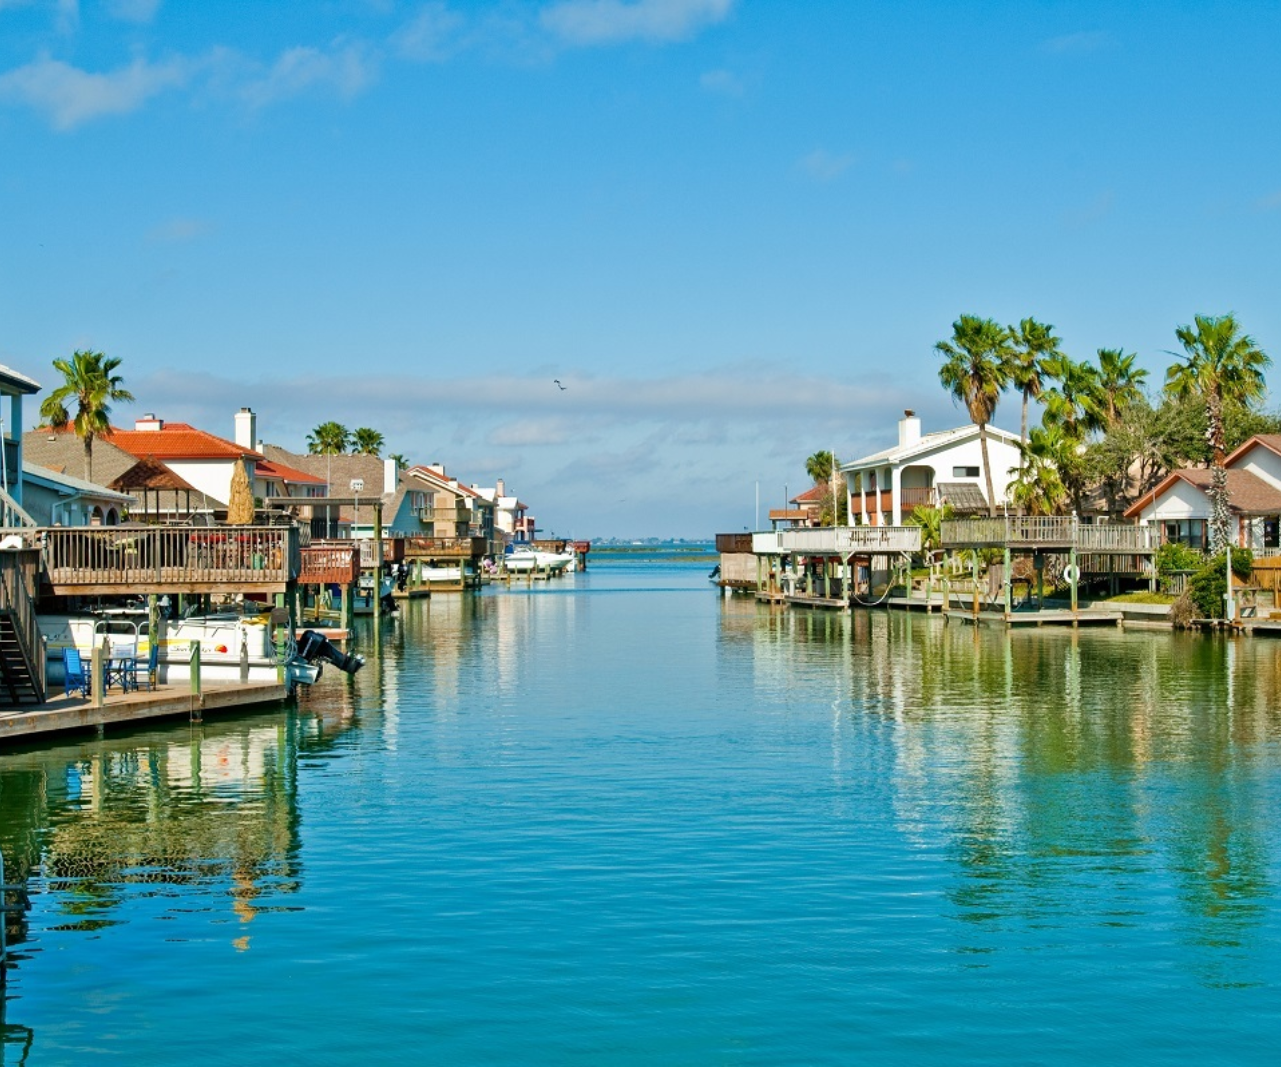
(73, 673)
(147, 675)
(123, 664)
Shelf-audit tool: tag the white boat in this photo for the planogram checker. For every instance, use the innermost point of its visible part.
(522, 559)
(220, 637)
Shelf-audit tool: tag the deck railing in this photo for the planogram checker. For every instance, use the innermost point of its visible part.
(159, 558)
(441, 547)
(16, 575)
(1048, 531)
(839, 541)
(330, 564)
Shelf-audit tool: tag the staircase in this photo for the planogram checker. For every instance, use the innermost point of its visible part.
(22, 648)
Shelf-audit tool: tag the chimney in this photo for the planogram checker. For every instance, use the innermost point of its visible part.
(500, 489)
(909, 429)
(437, 468)
(391, 475)
(149, 422)
(246, 429)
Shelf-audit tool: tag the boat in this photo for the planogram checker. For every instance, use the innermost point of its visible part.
(524, 559)
(221, 637)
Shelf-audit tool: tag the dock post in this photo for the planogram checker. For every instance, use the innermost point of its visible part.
(947, 595)
(1075, 575)
(975, 601)
(98, 674)
(1008, 582)
(196, 697)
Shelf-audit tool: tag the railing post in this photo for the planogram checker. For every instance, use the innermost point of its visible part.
(97, 675)
(195, 669)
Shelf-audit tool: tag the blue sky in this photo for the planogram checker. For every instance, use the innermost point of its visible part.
(734, 229)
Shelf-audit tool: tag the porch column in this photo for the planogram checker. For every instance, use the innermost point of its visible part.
(862, 490)
(896, 496)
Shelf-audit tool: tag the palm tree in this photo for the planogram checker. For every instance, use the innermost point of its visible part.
(401, 462)
(328, 439)
(1075, 403)
(975, 370)
(820, 466)
(367, 442)
(1040, 486)
(89, 381)
(1221, 364)
(1032, 344)
(1120, 383)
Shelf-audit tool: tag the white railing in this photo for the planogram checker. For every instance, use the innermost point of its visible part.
(1049, 531)
(838, 541)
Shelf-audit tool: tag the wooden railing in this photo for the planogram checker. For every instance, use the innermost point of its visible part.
(915, 498)
(17, 574)
(1048, 531)
(438, 547)
(169, 558)
(839, 541)
(393, 549)
(734, 542)
(330, 564)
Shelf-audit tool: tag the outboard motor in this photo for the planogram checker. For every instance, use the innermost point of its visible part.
(313, 646)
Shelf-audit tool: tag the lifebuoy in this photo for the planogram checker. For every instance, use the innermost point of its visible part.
(1071, 573)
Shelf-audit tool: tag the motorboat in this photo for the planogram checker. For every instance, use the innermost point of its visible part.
(524, 559)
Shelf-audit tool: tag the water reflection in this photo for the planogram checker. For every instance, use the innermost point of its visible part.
(1067, 777)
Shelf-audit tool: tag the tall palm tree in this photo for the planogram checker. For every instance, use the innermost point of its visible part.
(328, 439)
(1074, 403)
(1040, 485)
(400, 459)
(89, 381)
(1220, 364)
(974, 371)
(1032, 343)
(367, 442)
(1120, 383)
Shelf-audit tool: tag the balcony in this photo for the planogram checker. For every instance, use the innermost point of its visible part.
(429, 514)
(916, 498)
(1047, 531)
(445, 547)
(330, 564)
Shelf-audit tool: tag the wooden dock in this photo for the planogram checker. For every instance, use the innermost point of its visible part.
(1046, 617)
(122, 709)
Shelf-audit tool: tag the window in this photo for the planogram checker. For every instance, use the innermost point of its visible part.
(965, 472)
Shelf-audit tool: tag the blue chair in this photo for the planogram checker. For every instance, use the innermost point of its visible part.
(73, 673)
(146, 675)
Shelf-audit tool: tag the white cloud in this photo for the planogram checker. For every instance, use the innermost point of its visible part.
(68, 15)
(348, 69)
(430, 36)
(70, 96)
(597, 22)
(178, 231)
(1078, 43)
(134, 10)
(722, 82)
(527, 433)
(823, 166)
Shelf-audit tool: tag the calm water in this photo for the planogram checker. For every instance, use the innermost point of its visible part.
(620, 820)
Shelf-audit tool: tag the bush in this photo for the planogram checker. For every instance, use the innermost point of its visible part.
(1207, 587)
(1172, 556)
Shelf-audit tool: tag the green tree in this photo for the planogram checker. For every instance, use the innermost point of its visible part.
(366, 442)
(1032, 343)
(401, 462)
(1074, 403)
(820, 466)
(1049, 469)
(1219, 364)
(328, 439)
(88, 382)
(930, 520)
(975, 370)
(1120, 383)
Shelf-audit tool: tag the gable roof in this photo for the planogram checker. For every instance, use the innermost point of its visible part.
(150, 473)
(1270, 441)
(813, 495)
(174, 440)
(265, 468)
(929, 442)
(1248, 494)
(69, 485)
(65, 451)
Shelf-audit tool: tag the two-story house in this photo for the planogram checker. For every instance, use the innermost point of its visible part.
(929, 469)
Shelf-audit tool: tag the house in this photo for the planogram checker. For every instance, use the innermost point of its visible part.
(452, 510)
(15, 386)
(929, 469)
(56, 499)
(1180, 505)
(512, 524)
(363, 478)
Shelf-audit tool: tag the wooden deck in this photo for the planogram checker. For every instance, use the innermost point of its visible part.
(1049, 533)
(62, 713)
(1047, 617)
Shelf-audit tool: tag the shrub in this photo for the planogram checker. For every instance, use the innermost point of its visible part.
(1207, 587)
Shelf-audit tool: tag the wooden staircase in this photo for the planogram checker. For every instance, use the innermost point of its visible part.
(22, 650)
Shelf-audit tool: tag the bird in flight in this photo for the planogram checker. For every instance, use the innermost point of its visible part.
(556, 382)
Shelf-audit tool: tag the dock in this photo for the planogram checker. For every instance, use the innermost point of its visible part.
(60, 713)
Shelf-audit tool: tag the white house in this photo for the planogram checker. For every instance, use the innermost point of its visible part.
(929, 469)
(53, 498)
(1181, 506)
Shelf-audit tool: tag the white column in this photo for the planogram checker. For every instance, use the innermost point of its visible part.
(862, 490)
(896, 495)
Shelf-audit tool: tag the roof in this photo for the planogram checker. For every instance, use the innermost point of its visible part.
(813, 495)
(964, 497)
(928, 443)
(150, 473)
(265, 468)
(65, 452)
(174, 440)
(1270, 441)
(12, 382)
(1248, 494)
(339, 471)
(76, 486)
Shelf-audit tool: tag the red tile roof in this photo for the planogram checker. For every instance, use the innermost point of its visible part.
(176, 440)
(812, 495)
(266, 469)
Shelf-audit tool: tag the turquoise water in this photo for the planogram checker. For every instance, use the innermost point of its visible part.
(618, 819)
